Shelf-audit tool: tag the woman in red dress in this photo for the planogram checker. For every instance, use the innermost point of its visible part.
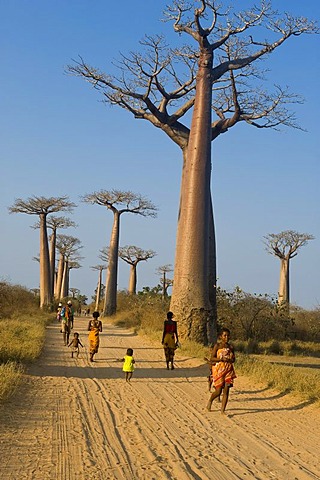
(170, 339)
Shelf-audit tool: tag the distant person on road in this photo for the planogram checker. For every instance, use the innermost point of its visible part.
(223, 374)
(94, 328)
(128, 365)
(59, 312)
(170, 339)
(75, 342)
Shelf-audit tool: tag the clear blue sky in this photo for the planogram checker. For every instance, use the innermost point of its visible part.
(57, 138)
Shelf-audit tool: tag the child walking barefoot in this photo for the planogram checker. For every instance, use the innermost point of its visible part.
(128, 365)
(75, 342)
(223, 373)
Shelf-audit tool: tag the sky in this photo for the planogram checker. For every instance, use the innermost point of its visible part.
(57, 138)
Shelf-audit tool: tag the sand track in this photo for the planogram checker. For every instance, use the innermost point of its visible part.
(72, 420)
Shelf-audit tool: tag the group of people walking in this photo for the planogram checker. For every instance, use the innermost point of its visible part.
(65, 315)
(221, 358)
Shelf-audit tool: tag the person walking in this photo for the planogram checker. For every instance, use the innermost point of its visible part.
(170, 339)
(94, 328)
(128, 365)
(223, 374)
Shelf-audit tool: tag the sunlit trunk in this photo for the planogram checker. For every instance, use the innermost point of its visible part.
(132, 289)
(283, 295)
(45, 291)
(110, 304)
(58, 285)
(64, 286)
(52, 260)
(98, 290)
(190, 297)
(212, 279)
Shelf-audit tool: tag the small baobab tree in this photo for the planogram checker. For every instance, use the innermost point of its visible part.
(285, 246)
(215, 81)
(74, 292)
(118, 202)
(164, 280)
(134, 255)
(100, 269)
(42, 207)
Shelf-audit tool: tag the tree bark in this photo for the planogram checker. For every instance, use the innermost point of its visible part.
(58, 286)
(132, 289)
(64, 286)
(283, 295)
(98, 290)
(45, 289)
(52, 260)
(110, 304)
(190, 296)
(212, 278)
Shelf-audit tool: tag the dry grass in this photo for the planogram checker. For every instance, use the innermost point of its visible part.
(10, 377)
(294, 379)
(21, 342)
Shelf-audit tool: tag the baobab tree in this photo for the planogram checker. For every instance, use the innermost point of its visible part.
(216, 75)
(42, 207)
(134, 255)
(68, 248)
(164, 280)
(55, 223)
(118, 202)
(100, 269)
(285, 245)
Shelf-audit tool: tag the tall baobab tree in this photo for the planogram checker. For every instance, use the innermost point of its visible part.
(165, 281)
(100, 269)
(134, 255)
(118, 202)
(55, 223)
(42, 207)
(285, 245)
(216, 74)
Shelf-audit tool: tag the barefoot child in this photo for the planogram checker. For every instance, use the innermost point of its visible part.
(128, 366)
(223, 373)
(75, 344)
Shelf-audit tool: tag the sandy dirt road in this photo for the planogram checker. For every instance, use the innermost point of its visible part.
(73, 420)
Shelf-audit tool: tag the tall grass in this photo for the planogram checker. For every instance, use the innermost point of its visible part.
(22, 327)
(21, 342)
(300, 381)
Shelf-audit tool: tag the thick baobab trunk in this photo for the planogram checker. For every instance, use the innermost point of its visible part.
(212, 277)
(132, 289)
(52, 261)
(110, 304)
(45, 284)
(58, 285)
(190, 297)
(98, 290)
(283, 295)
